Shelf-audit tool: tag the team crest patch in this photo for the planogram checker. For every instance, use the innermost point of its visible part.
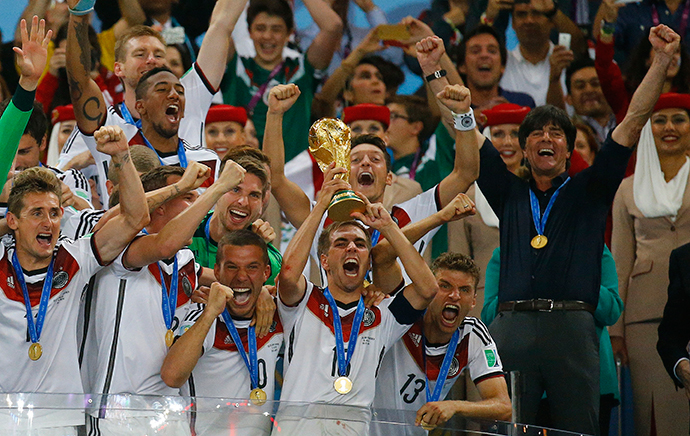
(60, 279)
(369, 318)
(454, 367)
(491, 359)
(187, 286)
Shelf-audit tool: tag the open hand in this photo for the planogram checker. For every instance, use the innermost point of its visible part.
(33, 54)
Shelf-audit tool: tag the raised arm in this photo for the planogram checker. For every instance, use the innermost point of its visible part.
(386, 271)
(326, 42)
(178, 231)
(89, 105)
(291, 198)
(31, 60)
(467, 142)
(217, 46)
(323, 104)
(132, 14)
(186, 351)
(291, 283)
(665, 43)
(424, 287)
(134, 216)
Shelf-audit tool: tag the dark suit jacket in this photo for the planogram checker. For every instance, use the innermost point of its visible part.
(674, 330)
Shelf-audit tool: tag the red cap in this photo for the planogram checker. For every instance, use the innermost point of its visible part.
(62, 113)
(505, 113)
(224, 112)
(367, 111)
(672, 100)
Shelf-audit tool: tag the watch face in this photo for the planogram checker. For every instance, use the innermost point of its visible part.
(466, 121)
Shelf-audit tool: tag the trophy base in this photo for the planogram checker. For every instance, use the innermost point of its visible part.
(343, 204)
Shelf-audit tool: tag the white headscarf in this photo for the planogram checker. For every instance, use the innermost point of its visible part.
(481, 203)
(652, 194)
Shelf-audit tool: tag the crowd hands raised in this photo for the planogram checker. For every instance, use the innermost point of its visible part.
(199, 232)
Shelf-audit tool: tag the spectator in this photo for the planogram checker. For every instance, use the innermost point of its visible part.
(649, 221)
(224, 128)
(535, 65)
(248, 80)
(586, 144)
(587, 98)
(178, 57)
(481, 59)
(63, 121)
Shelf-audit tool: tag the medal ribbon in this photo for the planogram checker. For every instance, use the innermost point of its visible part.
(443, 371)
(684, 17)
(128, 116)
(540, 224)
(251, 360)
(180, 151)
(34, 328)
(262, 89)
(343, 359)
(375, 236)
(169, 300)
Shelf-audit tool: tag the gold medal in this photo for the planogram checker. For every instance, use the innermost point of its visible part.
(539, 241)
(35, 351)
(258, 396)
(342, 385)
(169, 337)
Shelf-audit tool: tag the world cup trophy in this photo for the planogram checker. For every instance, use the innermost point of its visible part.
(329, 140)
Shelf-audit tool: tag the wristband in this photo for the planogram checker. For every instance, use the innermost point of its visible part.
(82, 8)
(607, 28)
(550, 14)
(436, 75)
(465, 122)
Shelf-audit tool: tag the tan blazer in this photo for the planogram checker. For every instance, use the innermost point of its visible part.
(470, 236)
(641, 248)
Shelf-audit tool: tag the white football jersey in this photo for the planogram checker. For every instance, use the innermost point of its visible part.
(80, 223)
(126, 329)
(402, 381)
(310, 358)
(198, 93)
(222, 373)
(415, 209)
(57, 370)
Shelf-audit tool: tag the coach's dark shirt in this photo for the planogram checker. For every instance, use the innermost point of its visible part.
(569, 267)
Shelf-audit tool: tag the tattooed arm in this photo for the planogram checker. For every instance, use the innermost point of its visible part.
(89, 105)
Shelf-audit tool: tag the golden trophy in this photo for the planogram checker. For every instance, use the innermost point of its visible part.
(329, 140)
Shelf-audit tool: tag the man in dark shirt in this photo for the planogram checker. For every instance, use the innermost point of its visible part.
(552, 233)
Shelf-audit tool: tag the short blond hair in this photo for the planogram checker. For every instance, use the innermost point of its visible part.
(32, 180)
(133, 32)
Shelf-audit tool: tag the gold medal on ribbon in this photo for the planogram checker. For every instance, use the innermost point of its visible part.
(35, 351)
(258, 396)
(169, 337)
(342, 385)
(539, 241)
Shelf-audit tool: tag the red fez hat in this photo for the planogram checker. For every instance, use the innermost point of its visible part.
(673, 100)
(62, 113)
(224, 112)
(505, 113)
(367, 111)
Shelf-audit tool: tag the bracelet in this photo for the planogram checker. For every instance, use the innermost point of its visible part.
(550, 14)
(84, 7)
(485, 20)
(465, 122)
(435, 75)
(607, 28)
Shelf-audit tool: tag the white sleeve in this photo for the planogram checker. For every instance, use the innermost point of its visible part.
(192, 313)
(85, 252)
(198, 94)
(81, 223)
(482, 356)
(289, 315)
(78, 184)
